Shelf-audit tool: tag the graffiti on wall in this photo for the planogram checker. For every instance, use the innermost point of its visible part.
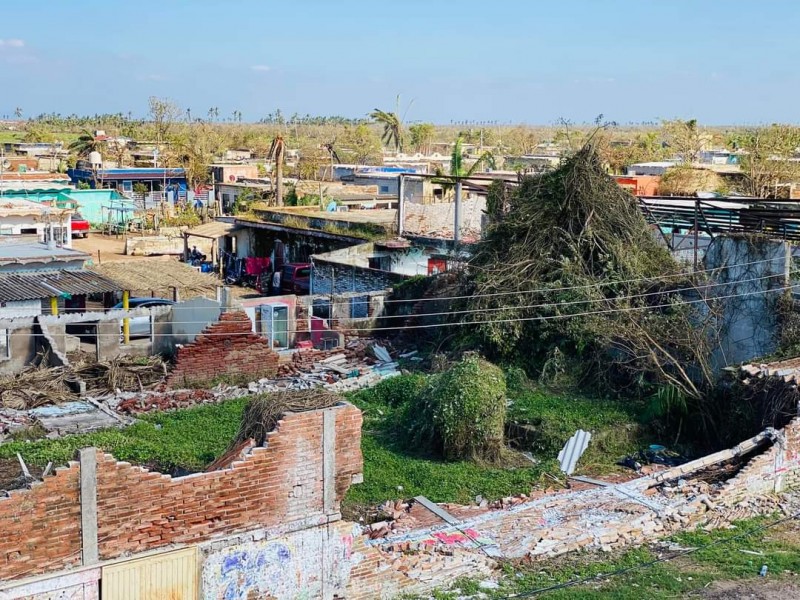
(299, 566)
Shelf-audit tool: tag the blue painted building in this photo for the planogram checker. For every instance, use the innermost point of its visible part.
(123, 179)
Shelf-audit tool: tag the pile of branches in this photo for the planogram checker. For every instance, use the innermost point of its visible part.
(36, 385)
(569, 270)
(40, 384)
(124, 373)
(263, 411)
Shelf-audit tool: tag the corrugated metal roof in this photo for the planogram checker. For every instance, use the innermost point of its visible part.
(46, 284)
(213, 230)
(572, 451)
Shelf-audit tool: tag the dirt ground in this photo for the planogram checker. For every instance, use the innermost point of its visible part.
(109, 248)
(760, 589)
(11, 477)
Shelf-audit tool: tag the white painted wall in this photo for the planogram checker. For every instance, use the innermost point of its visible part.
(22, 308)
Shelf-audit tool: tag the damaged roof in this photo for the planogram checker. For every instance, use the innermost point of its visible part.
(15, 287)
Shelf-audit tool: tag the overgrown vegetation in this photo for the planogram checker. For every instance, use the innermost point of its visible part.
(569, 283)
(395, 459)
(461, 412)
(179, 441)
(395, 466)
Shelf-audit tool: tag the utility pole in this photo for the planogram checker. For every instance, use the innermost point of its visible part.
(457, 211)
(401, 207)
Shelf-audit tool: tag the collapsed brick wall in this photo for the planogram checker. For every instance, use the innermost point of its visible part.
(280, 485)
(228, 348)
(40, 528)
(773, 470)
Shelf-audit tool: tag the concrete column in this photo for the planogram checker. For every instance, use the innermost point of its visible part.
(89, 544)
(457, 211)
(401, 207)
(329, 461)
(225, 298)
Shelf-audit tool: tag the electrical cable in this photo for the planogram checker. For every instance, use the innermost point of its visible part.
(509, 320)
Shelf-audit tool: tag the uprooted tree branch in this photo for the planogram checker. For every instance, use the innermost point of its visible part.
(569, 266)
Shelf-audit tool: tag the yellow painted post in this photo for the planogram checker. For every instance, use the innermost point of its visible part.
(53, 305)
(126, 322)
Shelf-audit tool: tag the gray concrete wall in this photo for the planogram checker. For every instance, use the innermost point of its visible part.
(753, 273)
(22, 348)
(182, 323)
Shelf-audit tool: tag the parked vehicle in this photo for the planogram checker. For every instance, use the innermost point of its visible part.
(80, 226)
(140, 326)
(296, 278)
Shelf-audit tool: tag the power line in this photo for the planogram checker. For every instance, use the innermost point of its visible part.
(462, 323)
(540, 290)
(528, 306)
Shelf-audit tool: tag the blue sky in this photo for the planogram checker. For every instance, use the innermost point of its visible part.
(527, 61)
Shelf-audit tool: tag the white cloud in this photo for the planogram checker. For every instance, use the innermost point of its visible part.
(12, 43)
(261, 68)
(153, 77)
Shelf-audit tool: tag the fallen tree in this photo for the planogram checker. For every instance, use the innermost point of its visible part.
(570, 278)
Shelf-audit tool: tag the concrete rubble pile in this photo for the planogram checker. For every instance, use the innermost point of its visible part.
(711, 492)
(360, 363)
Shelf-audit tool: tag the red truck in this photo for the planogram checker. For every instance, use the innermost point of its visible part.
(80, 226)
(296, 278)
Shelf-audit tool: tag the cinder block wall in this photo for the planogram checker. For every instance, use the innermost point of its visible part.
(226, 348)
(281, 484)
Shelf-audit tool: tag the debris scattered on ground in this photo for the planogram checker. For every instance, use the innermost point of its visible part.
(39, 385)
(121, 373)
(361, 363)
(36, 385)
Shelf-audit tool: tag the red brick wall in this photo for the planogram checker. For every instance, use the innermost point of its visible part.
(277, 484)
(40, 528)
(138, 510)
(227, 348)
(776, 467)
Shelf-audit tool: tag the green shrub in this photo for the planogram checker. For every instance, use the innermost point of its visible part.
(462, 412)
(396, 391)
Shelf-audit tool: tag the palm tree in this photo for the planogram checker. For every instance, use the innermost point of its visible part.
(85, 144)
(457, 168)
(392, 125)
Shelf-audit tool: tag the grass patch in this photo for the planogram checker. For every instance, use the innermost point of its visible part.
(720, 558)
(389, 462)
(387, 466)
(553, 419)
(187, 439)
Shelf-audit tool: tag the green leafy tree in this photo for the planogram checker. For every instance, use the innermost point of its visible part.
(85, 144)
(422, 136)
(38, 133)
(766, 159)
